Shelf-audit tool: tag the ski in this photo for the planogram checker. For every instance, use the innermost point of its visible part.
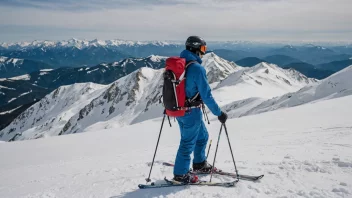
(220, 172)
(171, 183)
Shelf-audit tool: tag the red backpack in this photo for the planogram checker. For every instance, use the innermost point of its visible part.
(174, 92)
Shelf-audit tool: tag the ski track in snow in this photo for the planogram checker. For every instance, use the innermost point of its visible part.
(305, 151)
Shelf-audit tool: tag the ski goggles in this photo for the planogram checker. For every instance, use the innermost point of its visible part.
(203, 49)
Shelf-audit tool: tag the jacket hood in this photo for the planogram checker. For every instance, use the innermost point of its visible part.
(190, 56)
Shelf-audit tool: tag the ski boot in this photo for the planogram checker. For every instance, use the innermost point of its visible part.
(186, 178)
(203, 167)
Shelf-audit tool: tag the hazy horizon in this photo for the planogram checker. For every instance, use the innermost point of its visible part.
(214, 20)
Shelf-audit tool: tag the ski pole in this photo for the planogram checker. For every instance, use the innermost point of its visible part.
(205, 114)
(233, 159)
(216, 151)
(156, 148)
(168, 117)
(208, 149)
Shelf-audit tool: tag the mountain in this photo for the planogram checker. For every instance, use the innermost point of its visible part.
(281, 59)
(70, 56)
(81, 44)
(77, 53)
(335, 86)
(48, 116)
(343, 49)
(249, 61)
(304, 151)
(263, 80)
(218, 68)
(136, 98)
(309, 70)
(24, 90)
(70, 109)
(10, 67)
(231, 55)
(311, 54)
(336, 65)
(131, 99)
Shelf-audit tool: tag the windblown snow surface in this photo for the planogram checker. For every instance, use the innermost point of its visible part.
(304, 151)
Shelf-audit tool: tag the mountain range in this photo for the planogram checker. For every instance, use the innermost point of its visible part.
(135, 98)
(11, 67)
(18, 92)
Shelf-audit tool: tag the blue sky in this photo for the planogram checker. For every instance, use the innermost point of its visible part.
(259, 20)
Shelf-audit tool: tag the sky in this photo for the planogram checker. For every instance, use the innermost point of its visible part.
(214, 20)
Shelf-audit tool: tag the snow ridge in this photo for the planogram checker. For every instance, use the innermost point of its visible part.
(218, 68)
(80, 44)
(335, 86)
(124, 101)
(49, 115)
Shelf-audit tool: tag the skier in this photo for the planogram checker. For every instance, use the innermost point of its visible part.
(194, 135)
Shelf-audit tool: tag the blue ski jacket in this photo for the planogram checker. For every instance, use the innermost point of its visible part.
(196, 81)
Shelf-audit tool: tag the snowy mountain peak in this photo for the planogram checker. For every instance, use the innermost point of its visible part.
(263, 80)
(218, 68)
(73, 42)
(128, 100)
(5, 60)
(335, 86)
(155, 58)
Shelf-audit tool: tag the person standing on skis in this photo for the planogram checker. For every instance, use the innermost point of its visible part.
(194, 135)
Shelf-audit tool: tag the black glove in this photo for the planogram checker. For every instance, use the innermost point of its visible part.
(223, 117)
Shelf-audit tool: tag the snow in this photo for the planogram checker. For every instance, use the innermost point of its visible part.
(10, 111)
(263, 80)
(303, 151)
(14, 61)
(46, 70)
(80, 44)
(218, 68)
(155, 58)
(43, 73)
(25, 93)
(3, 59)
(3, 87)
(12, 99)
(22, 77)
(57, 108)
(336, 85)
(135, 98)
(303, 147)
(88, 72)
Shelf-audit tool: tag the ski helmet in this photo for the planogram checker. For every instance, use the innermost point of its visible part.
(196, 44)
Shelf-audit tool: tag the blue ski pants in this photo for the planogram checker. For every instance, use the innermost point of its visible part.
(194, 138)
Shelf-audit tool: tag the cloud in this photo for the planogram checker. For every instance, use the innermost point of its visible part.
(176, 19)
(72, 5)
(84, 5)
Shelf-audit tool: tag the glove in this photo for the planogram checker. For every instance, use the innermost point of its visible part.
(223, 117)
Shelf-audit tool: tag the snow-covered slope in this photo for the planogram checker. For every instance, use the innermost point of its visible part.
(337, 85)
(49, 115)
(10, 67)
(218, 68)
(130, 99)
(263, 80)
(13, 61)
(303, 151)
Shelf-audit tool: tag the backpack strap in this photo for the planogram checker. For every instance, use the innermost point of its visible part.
(184, 72)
